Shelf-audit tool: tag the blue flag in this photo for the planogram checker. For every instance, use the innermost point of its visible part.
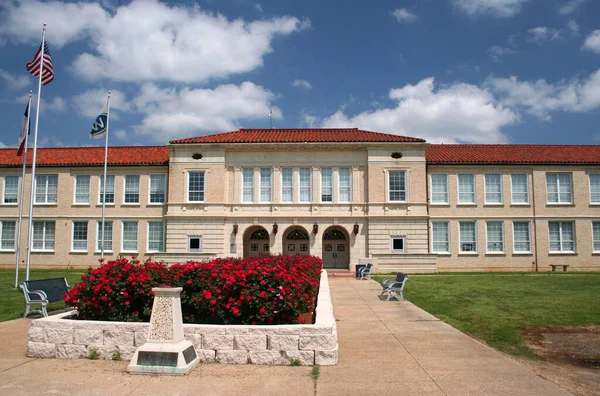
(99, 127)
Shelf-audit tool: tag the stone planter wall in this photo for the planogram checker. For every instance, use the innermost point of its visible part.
(57, 337)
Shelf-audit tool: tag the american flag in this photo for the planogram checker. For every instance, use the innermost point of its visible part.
(33, 67)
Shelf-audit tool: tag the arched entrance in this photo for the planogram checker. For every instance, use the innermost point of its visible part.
(296, 242)
(256, 242)
(335, 249)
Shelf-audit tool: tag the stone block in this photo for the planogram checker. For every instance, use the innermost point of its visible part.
(59, 336)
(53, 324)
(250, 342)
(318, 342)
(139, 338)
(70, 351)
(206, 355)
(326, 358)
(37, 334)
(283, 342)
(232, 357)
(87, 337)
(126, 352)
(104, 351)
(41, 350)
(307, 358)
(285, 330)
(204, 329)
(248, 330)
(315, 330)
(268, 357)
(195, 339)
(118, 338)
(217, 342)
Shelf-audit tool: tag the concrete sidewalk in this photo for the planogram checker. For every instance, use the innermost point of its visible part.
(385, 348)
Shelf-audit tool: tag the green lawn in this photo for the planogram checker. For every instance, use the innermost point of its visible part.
(12, 302)
(494, 307)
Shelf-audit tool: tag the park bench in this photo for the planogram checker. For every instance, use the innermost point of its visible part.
(393, 286)
(365, 272)
(565, 266)
(43, 291)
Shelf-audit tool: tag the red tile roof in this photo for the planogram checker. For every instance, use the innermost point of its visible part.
(511, 154)
(89, 156)
(340, 135)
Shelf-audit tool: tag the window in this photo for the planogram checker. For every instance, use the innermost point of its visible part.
(398, 244)
(158, 189)
(519, 183)
(132, 189)
(195, 244)
(344, 185)
(82, 189)
(265, 184)
(287, 180)
(110, 189)
(248, 185)
(196, 186)
(558, 187)
(156, 236)
(130, 236)
(46, 188)
(493, 188)
(439, 188)
(468, 237)
(522, 237)
(80, 236)
(562, 236)
(397, 185)
(596, 236)
(440, 237)
(495, 236)
(305, 185)
(7, 235)
(11, 189)
(466, 188)
(594, 189)
(108, 236)
(326, 185)
(43, 235)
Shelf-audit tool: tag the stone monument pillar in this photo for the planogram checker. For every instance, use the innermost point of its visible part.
(165, 351)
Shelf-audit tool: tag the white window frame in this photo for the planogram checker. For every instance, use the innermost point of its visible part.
(398, 237)
(558, 188)
(596, 237)
(87, 236)
(291, 187)
(125, 192)
(164, 176)
(251, 172)
(321, 191)
(100, 177)
(460, 251)
(592, 202)
(447, 224)
(485, 189)
(187, 186)
(45, 202)
(75, 178)
(512, 189)
(389, 191)
(44, 248)
(99, 235)
(459, 202)
(268, 188)
(4, 190)
(349, 187)
(515, 251)
(310, 186)
(1, 234)
(164, 242)
(137, 237)
(487, 240)
(189, 249)
(561, 240)
(433, 202)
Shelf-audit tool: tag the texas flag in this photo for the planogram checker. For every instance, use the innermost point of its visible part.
(25, 130)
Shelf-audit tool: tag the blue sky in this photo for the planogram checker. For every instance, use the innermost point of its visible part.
(469, 71)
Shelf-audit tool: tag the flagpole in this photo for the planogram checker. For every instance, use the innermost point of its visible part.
(22, 197)
(104, 179)
(35, 135)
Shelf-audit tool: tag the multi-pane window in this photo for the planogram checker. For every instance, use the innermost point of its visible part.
(82, 189)
(305, 184)
(397, 185)
(158, 189)
(108, 236)
(493, 188)
(265, 184)
(466, 188)
(596, 235)
(495, 236)
(594, 188)
(344, 184)
(80, 236)
(440, 237)
(287, 184)
(439, 188)
(156, 236)
(130, 236)
(110, 189)
(46, 189)
(43, 235)
(521, 237)
(248, 185)
(196, 186)
(132, 189)
(562, 236)
(326, 185)
(7, 235)
(519, 184)
(11, 189)
(558, 187)
(467, 236)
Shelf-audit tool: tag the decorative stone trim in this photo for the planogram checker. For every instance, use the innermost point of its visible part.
(309, 344)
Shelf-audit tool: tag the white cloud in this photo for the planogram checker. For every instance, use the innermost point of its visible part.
(302, 84)
(458, 112)
(404, 15)
(308, 119)
(13, 82)
(501, 8)
(570, 7)
(258, 7)
(592, 42)
(2, 145)
(573, 26)
(496, 52)
(90, 102)
(543, 33)
(54, 105)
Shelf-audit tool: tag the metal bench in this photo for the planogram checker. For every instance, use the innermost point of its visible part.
(43, 291)
(365, 272)
(393, 286)
(565, 266)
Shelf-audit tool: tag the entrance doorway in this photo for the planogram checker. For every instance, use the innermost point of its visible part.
(256, 242)
(335, 249)
(296, 242)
